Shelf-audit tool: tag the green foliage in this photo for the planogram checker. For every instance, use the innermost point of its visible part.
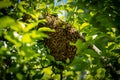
(81, 46)
(6, 21)
(5, 3)
(24, 56)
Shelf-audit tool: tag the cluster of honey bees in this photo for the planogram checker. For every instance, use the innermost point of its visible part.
(59, 41)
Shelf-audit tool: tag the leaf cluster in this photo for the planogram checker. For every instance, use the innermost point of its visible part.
(23, 28)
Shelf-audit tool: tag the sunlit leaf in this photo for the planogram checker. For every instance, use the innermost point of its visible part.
(5, 3)
(38, 35)
(13, 40)
(91, 13)
(68, 73)
(46, 29)
(84, 25)
(30, 26)
(80, 11)
(36, 15)
(18, 26)
(26, 38)
(6, 21)
(42, 5)
(56, 76)
(48, 70)
(100, 73)
(70, 0)
(35, 34)
(42, 21)
(90, 77)
(22, 53)
(20, 6)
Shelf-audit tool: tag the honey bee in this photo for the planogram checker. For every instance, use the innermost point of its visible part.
(59, 41)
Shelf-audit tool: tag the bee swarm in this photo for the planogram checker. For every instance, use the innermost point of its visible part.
(59, 41)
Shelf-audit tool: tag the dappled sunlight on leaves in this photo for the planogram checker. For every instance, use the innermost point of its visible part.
(24, 27)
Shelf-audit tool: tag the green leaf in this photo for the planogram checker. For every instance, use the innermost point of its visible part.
(102, 41)
(19, 76)
(81, 46)
(100, 73)
(26, 38)
(27, 52)
(91, 52)
(18, 26)
(42, 5)
(60, 63)
(70, 0)
(30, 26)
(67, 60)
(85, 24)
(119, 60)
(20, 6)
(38, 35)
(48, 70)
(46, 29)
(6, 21)
(13, 40)
(50, 57)
(5, 3)
(42, 21)
(80, 63)
(80, 11)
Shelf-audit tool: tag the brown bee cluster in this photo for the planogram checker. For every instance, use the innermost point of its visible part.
(59, 41)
